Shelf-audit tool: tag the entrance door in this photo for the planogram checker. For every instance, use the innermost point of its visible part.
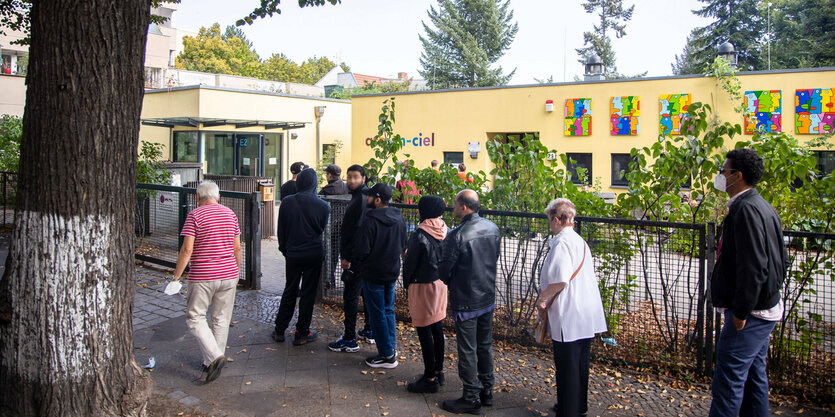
(220, 153)
(250, 157)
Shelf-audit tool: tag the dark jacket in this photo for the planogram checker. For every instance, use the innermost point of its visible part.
(380, 242)
(355, 213)
(302, 217)
(335, 187)
(422, 259)
(468, 267)
(287, 189)
(753, 260)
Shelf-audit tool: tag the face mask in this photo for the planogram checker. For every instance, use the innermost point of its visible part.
(720, 182)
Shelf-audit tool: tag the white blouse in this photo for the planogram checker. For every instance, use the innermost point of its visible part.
(577, 313)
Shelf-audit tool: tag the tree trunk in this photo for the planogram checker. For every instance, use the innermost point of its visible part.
(66, 341)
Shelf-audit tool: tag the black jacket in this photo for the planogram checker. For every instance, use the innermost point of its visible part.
(335, 187)
(302, 217)
(468, 267)
(379, 244)
(422, 259)
(355, 213)
(753, 260)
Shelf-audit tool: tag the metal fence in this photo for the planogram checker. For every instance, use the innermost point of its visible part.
(653, 279)
(8, 196)
(247, 184)
(161, 212)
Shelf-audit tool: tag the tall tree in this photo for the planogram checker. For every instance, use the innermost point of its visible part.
(686, 63)
(212, 52)
(803, 34)
(236, 32)
(66, 339)
(466, 38)
(737, 21)
(613, 17)
(66, 343)
(279, 67)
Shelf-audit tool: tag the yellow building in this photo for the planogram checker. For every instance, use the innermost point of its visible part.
(453, 125)
(241, 132)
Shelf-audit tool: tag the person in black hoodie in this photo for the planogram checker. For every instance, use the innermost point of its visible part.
(302, 218)
(355, 212)
(745, 286)
(378, 247)
(427, 293)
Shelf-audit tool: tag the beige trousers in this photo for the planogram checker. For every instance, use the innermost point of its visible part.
(220, 297)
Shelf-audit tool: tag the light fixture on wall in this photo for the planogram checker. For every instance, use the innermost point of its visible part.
(474, 148)
(594, 68)
(294, 135)
(727, 51)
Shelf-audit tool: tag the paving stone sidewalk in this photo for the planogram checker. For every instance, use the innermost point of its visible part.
(264, 378)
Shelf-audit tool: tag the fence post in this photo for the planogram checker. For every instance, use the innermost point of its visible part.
(182, 199)
(709, 312)
(700, 318)
(253, 244)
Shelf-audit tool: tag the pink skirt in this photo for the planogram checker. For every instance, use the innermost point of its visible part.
(427, 303)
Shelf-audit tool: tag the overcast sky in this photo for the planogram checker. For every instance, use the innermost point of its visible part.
(380, 37)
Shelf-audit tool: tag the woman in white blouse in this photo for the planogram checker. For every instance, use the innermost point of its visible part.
(576, 313)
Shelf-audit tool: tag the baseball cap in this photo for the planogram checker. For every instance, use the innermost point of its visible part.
(379, 190)
(333, 169)
(297, 167)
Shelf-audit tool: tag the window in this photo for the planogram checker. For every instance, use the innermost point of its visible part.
(580, 160)
(329, 153)
(454, 158)
(186, 147)
(620, 166)
(826, 162)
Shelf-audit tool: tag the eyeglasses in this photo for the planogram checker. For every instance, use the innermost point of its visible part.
(730, 170)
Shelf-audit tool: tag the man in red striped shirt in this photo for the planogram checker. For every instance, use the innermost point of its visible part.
(211, 242)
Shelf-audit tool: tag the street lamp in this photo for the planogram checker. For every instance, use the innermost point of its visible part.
(769, 36)
(727, 51)
(594, 68)
(318, 111)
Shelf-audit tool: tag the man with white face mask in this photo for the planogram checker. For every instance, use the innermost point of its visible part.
(745, 287)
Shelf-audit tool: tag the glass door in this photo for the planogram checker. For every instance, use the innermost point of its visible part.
(220, 153)
(250, 159)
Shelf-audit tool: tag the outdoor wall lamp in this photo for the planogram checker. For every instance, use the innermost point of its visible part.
(727, 51)
(594, 68)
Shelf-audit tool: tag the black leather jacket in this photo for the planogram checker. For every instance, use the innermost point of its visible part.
(422, 259)
(468, 266)
(753, 260)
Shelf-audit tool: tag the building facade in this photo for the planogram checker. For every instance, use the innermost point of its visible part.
(596, 123)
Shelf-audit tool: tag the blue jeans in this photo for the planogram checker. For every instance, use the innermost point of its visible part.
(379, 299)
(740, 382)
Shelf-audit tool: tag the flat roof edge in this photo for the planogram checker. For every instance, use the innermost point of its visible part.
(620, 80)
(239, 90)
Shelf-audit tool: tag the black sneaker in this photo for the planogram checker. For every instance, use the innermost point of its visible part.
(461, 406)
(423, 385)
(381, 361)
(213, 371)
(278, 337)
(486, 398)
(301, 340)
(366, 335)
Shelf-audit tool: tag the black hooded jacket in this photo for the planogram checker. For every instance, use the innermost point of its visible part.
(355, 213)
(380, 242)
(302, 217)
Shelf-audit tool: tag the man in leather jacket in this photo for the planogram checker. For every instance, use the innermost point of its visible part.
(468, 267)
(746, 287)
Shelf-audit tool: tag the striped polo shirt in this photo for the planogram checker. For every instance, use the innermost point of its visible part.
(214, 228)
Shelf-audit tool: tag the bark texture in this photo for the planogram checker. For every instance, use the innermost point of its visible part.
(66, 340)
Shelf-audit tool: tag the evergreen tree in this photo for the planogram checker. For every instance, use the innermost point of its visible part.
(686, 63)
(466, 38)
(613, 16)
(803, 34)
(236, 32)
(737, 21)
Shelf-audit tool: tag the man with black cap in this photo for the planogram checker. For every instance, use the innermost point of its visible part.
(289, 187)
(378, 248)
(335, 185)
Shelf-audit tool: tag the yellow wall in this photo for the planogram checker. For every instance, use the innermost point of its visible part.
(458, 117)
(236, 104)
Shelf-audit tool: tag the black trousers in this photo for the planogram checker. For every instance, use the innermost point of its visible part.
(432, 345)
(475, 356)
(351, 297)
(305, 270)
(572, 363)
